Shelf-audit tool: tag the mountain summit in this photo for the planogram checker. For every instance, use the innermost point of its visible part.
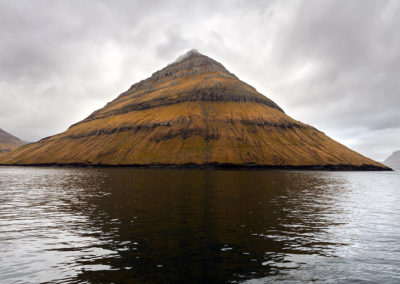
(192, 112)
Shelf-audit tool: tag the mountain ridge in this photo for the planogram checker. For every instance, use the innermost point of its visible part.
(9, 142)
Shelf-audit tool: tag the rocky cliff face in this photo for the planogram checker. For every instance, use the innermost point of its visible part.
(192, 112)
(393, 161)
(8, 142)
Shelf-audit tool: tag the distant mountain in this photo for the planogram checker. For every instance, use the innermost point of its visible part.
(8, 142)
(193, 112)
(393, 161)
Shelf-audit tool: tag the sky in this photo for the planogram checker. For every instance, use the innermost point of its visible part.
(331, 64)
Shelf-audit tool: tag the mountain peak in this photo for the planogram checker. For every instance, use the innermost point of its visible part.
(194, 62)
(190, 63)
(188, 54)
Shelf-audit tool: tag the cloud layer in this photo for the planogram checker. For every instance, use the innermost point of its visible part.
(332, 64)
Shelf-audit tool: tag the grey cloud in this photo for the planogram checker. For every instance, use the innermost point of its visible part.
(346, 45)
(174, 43)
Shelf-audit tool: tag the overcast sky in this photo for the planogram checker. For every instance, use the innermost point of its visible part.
(332, 64)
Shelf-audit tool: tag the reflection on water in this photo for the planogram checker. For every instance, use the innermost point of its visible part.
(197, 226)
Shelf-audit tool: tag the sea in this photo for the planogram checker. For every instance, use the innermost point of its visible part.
(131, 225)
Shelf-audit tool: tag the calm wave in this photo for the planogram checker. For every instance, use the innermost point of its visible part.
(74, 225)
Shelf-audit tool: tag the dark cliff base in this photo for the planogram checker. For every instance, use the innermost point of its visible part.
(340, 167)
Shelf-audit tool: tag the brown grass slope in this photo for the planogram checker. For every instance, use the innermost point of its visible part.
(191, 112)
(8, 142)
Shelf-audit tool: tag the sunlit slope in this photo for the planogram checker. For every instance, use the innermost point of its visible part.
(194, 112)
(8, 142)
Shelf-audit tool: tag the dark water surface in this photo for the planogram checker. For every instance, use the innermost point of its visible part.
(71, 225)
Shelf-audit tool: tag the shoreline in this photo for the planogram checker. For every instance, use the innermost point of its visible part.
(216, 166)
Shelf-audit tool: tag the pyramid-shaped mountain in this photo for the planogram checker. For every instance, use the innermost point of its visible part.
(193, 112)
(8, 142)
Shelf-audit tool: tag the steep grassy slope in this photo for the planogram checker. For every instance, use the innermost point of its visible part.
(193, 111)
(8, 142)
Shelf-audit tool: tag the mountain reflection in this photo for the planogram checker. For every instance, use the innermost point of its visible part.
(201, 225)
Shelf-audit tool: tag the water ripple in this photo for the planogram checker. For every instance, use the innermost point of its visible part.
(76, 225)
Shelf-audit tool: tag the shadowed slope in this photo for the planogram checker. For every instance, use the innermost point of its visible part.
(194, 112)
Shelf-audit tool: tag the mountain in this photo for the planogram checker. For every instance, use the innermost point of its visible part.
(8, 142)
(193, 112)
(393, 160)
